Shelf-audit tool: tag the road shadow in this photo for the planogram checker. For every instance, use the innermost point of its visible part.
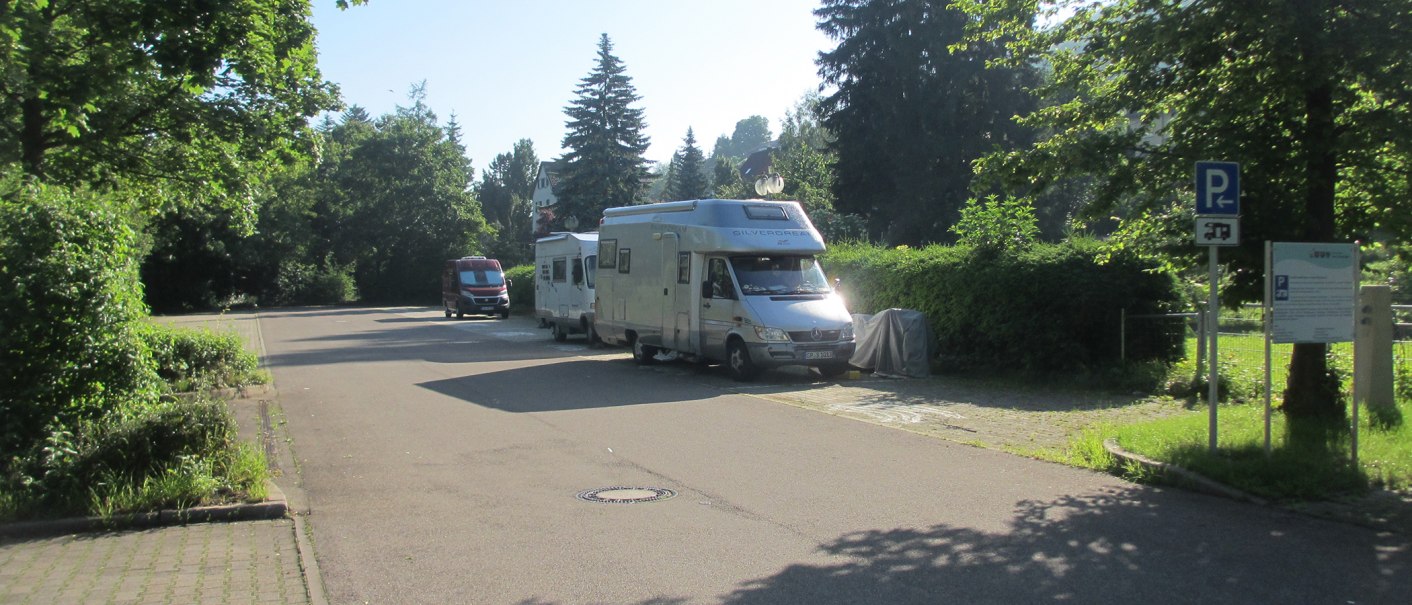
(511, 390)
(1124, 546)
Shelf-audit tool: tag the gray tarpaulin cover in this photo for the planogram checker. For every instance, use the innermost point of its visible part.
(894, 342)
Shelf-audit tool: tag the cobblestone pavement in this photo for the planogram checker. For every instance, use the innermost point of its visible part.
(1012, 418)
(246, 562)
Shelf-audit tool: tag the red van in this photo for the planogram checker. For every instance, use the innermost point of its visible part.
(475, 285)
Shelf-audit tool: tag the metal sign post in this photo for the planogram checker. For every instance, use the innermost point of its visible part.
(1217, 224)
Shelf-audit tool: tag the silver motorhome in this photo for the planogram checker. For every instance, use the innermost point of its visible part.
(563, 287)
(731, 281)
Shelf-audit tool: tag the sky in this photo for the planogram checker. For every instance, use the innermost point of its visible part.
(507, 69)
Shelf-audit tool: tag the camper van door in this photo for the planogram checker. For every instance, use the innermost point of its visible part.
(676, 325)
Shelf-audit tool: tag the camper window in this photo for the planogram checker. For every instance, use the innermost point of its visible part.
(607, 253)
(558, 276)
(544, 272)
(718, 282)
(767, 213)
(683, 267)
(625, 260)
(482, 278)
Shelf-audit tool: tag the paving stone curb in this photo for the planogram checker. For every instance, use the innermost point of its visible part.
(274, 507)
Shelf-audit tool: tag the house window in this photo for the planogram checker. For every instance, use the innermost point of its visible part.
(683, 267)
(607, 253)
(558, 273)
(625, 260)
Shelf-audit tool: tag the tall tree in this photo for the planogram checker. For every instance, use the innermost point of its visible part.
(750, 135)
(506, 191)
(910, 114)
(398, 202)
(687, 177)
(604, 166)
(1312, 97)
(185, 101)
(804, 159)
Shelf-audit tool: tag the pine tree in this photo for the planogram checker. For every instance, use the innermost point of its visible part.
(911, 112)
(604, 166)
(687, 179)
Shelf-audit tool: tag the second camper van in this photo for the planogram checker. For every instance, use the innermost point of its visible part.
(565, 266)
(732, 281)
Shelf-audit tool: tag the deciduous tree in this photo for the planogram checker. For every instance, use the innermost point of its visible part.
(1312, 97)
(181, 101)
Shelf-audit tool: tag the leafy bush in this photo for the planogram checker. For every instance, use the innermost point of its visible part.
(71, 314)
(196, 359)
(302, 283)
(993, 224)
(1048, 308)
(178, 452)
(522, 288)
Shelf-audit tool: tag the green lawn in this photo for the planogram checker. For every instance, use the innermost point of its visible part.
(1286, 474)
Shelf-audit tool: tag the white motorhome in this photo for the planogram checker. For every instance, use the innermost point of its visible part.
(731, 281)
(563, 285)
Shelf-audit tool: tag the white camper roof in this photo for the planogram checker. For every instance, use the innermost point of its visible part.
(559, 236)
(744, 226)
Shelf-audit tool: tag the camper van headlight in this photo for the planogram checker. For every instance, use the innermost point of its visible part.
(847, 332)
(771, 334)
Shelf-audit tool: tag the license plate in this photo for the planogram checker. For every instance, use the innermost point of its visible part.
(487, 308)
(818, 354)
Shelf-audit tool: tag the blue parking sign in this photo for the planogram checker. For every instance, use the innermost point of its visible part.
(1217, 189)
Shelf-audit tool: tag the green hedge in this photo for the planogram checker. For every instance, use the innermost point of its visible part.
(521, 288)
(1052, 307)
(189, 359)
(71, 313)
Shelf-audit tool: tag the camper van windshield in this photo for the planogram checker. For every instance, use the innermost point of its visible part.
(481, 278)
(775, 275)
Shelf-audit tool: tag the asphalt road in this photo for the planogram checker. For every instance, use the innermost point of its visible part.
(441, 461)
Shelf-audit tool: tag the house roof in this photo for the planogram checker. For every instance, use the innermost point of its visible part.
(758, 164)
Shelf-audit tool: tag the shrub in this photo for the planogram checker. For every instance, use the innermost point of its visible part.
(70, 315)
(1048, 308)
(197, 359)
(522, 288)
(177, 452)
(302, 283)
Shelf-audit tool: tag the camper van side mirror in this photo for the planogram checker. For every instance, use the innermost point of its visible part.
(509, 283)
(706, 289)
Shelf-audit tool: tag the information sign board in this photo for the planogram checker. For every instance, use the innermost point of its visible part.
(1313, 292)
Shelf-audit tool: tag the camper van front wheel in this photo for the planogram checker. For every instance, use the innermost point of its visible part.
(738, 362)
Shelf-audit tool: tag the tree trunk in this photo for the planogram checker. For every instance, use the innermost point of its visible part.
(1311, 395)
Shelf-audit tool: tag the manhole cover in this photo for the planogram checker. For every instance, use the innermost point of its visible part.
(625, 495)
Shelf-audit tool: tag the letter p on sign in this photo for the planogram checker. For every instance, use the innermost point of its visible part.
(1217, 189)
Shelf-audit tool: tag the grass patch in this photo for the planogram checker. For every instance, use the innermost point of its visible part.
(1286, 474)
(179, 453)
